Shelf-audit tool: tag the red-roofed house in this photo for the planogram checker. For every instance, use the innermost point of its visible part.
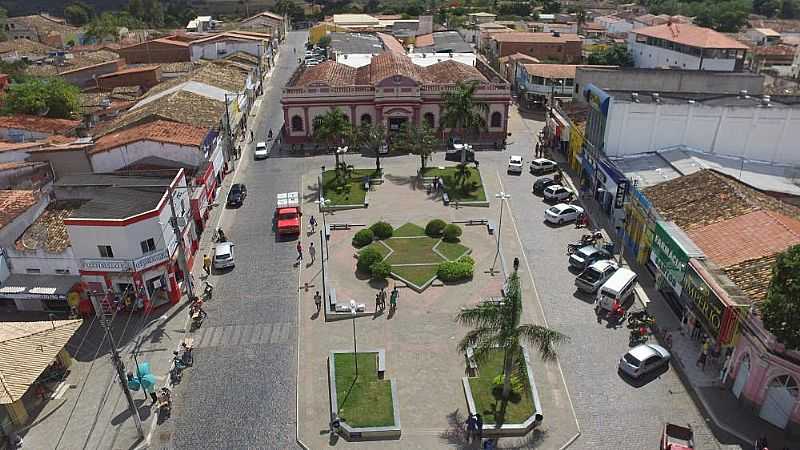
(168, 49)
(19, 128)
(391, 90)
(268, 21)
(144, 77)
(685, 46)
(220, 45)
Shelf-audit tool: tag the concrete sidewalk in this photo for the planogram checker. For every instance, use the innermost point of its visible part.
(730, 420)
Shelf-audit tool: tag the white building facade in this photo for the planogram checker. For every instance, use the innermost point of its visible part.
(685, 47)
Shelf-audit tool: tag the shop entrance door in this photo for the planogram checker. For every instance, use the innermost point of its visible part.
(741, 376)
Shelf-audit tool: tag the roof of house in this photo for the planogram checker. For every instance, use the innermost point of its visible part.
(13, 165)
(25, 47)
(551, 70)
(391, 43)
(356, 19)
(39, 124)
(15, 202)
(706, 197)
(157, 131)
(129, 70)
(423, 40)
(750, 236)
(355, 43)
(26, 349)
(383, 66)
(231, 36)
(482, 14)
(167, 40)
(779, 25)
(48, 231)
(753, 276)
(691, 35)
(767, 32)
(528, 37)
(785, 50)
(73, 62)
(267, 14)
(443, 41)
(115, 196)
(44, 23)
(519, 57)
(14, 146)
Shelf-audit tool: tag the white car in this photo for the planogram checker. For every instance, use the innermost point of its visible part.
(261, 151)
(642, 359)
(515, 164)
(223, 255)
(542, 166)
(562, 212)
(556, 192)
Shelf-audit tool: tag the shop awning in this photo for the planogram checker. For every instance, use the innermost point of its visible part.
(38, 287)
(26, 349)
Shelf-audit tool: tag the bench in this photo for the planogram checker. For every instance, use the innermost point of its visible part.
(477, 222)
(328, 232)
(472, 365)
(381, 363)
(490, 227)
(446, 199)
(339, 226)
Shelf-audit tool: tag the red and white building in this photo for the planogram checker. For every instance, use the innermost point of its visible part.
(390, 90)
(122, 235)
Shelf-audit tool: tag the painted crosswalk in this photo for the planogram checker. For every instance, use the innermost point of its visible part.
(239, 335)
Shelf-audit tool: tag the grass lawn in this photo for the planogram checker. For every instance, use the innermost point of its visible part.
(473, 189)
(418, 275)
(379, 247)
(368, 403)
(413, 251)
(351, 192)
(409, 229)
(487, 399)
(451, 250)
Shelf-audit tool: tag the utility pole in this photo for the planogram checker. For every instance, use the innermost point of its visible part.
(187, 273)
(229, 131)
(118, 364)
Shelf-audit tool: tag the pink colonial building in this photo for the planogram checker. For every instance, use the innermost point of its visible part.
(391, 90)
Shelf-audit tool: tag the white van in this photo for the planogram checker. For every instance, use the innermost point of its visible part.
(619, 287)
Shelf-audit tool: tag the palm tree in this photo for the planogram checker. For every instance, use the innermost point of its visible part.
(372, 136)
(495, 325)
(418, 141)
(462, 113)
(332, 128)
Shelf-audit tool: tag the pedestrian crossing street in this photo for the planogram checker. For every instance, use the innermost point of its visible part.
(239, 335)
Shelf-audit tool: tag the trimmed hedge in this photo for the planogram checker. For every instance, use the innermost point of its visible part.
(366, 259)
(451, 233)
(363, 237)
(380, 270)
(382, 230)
(459, 270)
(435, 227)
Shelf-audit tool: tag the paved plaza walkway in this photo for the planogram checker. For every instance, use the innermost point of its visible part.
(421, 337)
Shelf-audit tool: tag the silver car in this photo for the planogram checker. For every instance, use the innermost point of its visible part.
(643, 359)
(223, 255)
(595, 275)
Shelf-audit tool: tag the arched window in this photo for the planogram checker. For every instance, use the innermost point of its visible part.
(429, 119)
(497, 120)
(366, 119)
(297, 123)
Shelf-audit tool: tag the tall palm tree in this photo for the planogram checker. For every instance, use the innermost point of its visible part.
(418, 141)
(497, 325)
(332, 128)
(463, 114)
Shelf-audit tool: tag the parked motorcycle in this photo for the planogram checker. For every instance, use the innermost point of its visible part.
(639, 336)
(587, 239)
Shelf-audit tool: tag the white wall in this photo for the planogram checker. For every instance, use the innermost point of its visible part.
(756, 133)
(354, 59)
(223, 48)
(615, 25)
(47, 263)
(422, 58)
(120, 157)
(649, 57)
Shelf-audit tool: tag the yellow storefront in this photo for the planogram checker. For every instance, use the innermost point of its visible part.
(575, 146)
(639, 227)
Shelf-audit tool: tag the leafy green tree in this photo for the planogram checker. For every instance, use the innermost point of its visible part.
(3, 17)
(78, 13)
(420, 141)
(324, 42)
(780, 312)
(372, 137)
(51, 97)
(551, 7)
(497, 325)
(463, 114)
(333, 128)
(767, 8)
(614, 55)
(788, 9)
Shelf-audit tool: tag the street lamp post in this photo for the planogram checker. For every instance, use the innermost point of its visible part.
(353, 311)
(503, 197)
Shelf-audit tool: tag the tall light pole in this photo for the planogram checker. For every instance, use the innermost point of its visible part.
(353, 311)
(503, 197)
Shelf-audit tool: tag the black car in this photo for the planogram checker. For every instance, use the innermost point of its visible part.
(237, 194)
(455, 156)
(541, 184)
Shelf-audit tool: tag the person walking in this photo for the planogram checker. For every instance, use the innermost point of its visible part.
(382, 295)
(207, 264)
(479, 425)
(472, 425)
(318, 301)
(313, 222)
(393, 299)
(299, 251)
(313, 252)
(377, 302)
(252, 136)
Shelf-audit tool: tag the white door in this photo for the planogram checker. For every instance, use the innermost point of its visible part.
(741, 376)
(780, 400)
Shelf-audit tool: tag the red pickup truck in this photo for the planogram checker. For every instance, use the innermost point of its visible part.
(287, 213)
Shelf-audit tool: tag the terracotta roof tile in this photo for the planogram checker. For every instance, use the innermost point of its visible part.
(15, 202)
(40, 124)
(329, 72)
(423, 40)
(747, 237)
(130, 70)
(551, 70)
(21, 164)
(707, 197)
(691, 35)
(391, 43)
(158, 131)
(448, 72)
(25, 47)
(753, 276)
(48, 231)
